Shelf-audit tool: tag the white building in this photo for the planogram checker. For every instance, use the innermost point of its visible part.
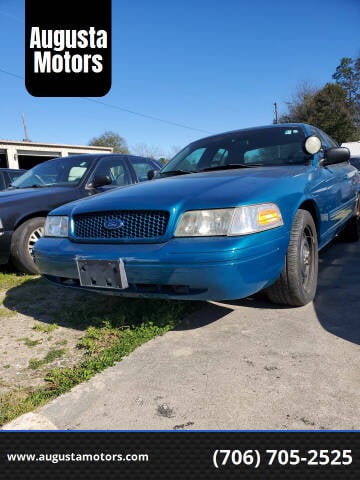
(354, 148)
(25, 155)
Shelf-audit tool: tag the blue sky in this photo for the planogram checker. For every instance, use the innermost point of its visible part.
(209, 65)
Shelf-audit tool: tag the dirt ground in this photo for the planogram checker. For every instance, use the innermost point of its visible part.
(36, 334)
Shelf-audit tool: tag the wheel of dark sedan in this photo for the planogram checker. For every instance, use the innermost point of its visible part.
(22, 244)
(297, 283)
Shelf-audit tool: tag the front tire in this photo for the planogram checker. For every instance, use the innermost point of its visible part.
(297, 283)
(22, 244)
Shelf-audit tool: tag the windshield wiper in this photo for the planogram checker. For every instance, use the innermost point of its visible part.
(230, 166)
(175, 172)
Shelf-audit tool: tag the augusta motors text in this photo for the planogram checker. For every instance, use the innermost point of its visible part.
(47, 43)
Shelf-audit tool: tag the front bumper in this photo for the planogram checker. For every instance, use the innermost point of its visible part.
(222, 268)
(5, 245)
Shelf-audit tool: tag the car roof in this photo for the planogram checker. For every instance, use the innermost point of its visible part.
(101, 155)
(249, 129)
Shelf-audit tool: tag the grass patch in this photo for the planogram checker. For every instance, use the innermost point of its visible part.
(4, 312)
(98, 357)
(34, 363)
(10, 279)
(30, 343)
(115, 328)
(39, 327)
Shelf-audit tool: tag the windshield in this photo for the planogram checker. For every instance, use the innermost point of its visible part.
(64, 171)
(254, 147)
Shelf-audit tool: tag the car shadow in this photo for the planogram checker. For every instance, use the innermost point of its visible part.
(337, 300)
(69, 308)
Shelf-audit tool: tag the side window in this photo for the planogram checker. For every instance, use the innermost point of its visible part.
(2, 182)
(52, 174)
(141, 167)
(118, 175)
(116, 169)
(14, 175)
(75, 174)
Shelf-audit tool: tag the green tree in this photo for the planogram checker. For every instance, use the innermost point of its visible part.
(326, 108)
(111, 139)
(347, 75)
(332, 113)
(301, 104)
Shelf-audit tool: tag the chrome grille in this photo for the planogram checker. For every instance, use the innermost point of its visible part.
(134, 224)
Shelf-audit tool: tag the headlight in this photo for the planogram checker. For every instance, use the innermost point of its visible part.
(229, 221)
(56, 226)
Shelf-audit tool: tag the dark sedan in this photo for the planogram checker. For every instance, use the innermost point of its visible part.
(8, 175)
(48, 185)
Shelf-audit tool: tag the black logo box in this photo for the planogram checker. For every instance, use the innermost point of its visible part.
(61, 15)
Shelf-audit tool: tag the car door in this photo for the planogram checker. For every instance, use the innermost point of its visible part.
(115, 167)
(140, 167)
(334, 192)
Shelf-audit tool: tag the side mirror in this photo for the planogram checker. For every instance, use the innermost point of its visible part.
(100, 181)
(335, 155)
(151, 174)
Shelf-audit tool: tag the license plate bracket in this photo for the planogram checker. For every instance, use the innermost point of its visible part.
(102, 273)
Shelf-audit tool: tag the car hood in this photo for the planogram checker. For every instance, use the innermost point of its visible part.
(218, 189)
(22, 194)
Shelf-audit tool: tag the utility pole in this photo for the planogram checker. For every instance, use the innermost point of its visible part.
(27, 139)
(276, 113)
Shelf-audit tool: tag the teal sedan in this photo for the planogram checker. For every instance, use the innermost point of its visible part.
(228, 216)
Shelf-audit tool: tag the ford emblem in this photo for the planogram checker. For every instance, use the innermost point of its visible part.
(113, 223)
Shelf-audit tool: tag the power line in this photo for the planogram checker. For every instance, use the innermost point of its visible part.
(144, 115)
(11, 74)
(132, 112)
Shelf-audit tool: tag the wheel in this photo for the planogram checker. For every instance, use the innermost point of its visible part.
(22, 244)
(297, 283)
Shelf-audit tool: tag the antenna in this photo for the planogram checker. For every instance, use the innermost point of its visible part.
(26, 139)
